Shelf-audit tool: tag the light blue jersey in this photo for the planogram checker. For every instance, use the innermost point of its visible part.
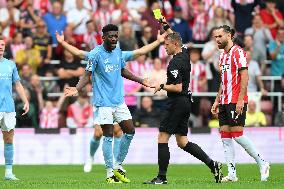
(127, 55)
(108, 90)
(8, 76)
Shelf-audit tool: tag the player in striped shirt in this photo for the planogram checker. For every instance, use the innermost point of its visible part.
(231, 102)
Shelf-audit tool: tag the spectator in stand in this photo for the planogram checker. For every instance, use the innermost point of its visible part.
(280, 6)
(29, 18)
(127, 41)
(76, 19)
(49, 114)
(276, 51)
(140, 66)
(130, 88)
(91, 37)
(210, 54)
(198, 81)
(148, 18)
(43, 43)
(272, 17)
(55, 20)
(219, 19)
(123, 14)
(26, 74)
(15, 45)
(147, 39)
(243, 10)
(29, 55)
(147, 116)
(71, 4)
(9, 19)
(253, 117)
(180, 25)
(103, 14)
(199, 27)
(69, 70)
(157, 75)
(80, 113)
(255, 52)
(261, 37)
(254, 72)
(30, 120)
(50, 86)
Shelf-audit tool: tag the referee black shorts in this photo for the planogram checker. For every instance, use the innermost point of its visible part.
(227, 115)
(175, 119)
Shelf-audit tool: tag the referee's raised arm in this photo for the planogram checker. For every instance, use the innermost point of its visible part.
(73, 50)
(166, 25)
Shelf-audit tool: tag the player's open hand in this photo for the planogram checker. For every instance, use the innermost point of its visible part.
(239, 107)
(146, 82)
(215, 108)
(26, 108)
(60, 38)
(70, 91)
(161, 38)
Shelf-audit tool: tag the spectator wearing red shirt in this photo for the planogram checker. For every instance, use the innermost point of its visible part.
(272, 17)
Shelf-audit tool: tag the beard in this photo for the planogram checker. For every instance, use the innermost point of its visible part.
(223, 45)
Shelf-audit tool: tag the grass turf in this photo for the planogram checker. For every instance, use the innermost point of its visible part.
(179, 177)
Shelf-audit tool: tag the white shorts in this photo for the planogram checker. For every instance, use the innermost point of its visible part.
(110, 115)
(7, 121)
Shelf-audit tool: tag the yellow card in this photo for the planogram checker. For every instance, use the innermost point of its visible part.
(157, 14)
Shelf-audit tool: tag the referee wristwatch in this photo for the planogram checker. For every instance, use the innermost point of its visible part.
(162, 86)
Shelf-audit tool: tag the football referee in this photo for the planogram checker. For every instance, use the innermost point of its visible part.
(178, 108)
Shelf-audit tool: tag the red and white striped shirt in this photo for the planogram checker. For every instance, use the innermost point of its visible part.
(230, 63)
(197, 72)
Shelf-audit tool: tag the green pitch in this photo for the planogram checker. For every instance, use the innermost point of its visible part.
(179, 177)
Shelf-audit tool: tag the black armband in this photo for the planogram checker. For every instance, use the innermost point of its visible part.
(166, 27)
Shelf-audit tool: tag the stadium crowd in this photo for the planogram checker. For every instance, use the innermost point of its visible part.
(29, 27)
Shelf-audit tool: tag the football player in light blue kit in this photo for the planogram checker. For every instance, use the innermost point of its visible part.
(9, 76)
(106, 66)
(95, 140)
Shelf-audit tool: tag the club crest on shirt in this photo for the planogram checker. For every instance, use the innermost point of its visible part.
(175, 73)
(225, 67)
(106, 61)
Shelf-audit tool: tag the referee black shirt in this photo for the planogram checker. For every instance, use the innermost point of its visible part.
(178, 71)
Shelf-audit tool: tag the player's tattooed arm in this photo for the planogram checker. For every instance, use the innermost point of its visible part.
(85, 79)
(243, 90)
(128, 75)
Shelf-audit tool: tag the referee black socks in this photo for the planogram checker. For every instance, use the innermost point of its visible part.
(197, 152)
(163, 159)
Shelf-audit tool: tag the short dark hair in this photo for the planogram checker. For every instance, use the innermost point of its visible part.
(1, 37)
(227, 29)
(109, 27)
(175, 36)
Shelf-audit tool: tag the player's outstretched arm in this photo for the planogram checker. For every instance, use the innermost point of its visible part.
(75, 51)
(128, 75)
(21, 91)
(148, 48)
(73, 91)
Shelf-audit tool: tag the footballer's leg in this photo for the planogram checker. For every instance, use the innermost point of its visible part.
(237, 124)
(94, 145)
(9, 154)
(197, 152)
(128, 129)
(247, 144)
(117, 133)
(163, 159)
(7, 124)
(108, 153)
(229, 153)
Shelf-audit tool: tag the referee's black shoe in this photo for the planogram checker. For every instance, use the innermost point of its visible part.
(156, 180)
(217, 171)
